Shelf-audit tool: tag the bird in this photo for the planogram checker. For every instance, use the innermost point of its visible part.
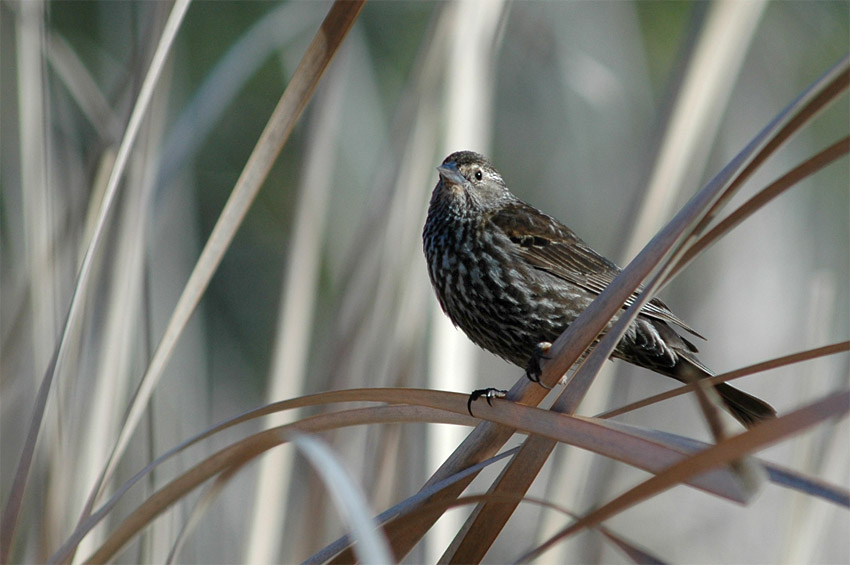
(513, 278)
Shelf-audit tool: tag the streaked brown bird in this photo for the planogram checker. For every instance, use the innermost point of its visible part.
(513, 278)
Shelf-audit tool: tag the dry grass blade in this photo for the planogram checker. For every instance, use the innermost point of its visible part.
(408, 517)
(446, 402)
(408, 505)
(778, 475)
(833, 406)
(483, 442)
(632, 550)
(288, 373)
(220, 87)
(812, 486)
(157, 64)
(429, 512)
(792, 177)
(237, 453)
(752, 369)
(549, 427)
(319, 54)
(16, 494)
(198, 510)
(624, 446)
(483, 526)
(711, 75)
(630, 445)
(79, 81)
(370, 545)
(811, 102)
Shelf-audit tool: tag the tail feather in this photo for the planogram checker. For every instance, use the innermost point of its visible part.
(657, 346)
(746, 408)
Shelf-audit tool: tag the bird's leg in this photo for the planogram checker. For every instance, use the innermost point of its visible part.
(533, 370)
(487, 393)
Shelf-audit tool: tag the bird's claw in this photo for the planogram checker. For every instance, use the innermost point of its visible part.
(487, 393)
(533, 371)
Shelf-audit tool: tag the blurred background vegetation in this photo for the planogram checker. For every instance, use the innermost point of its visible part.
(580, 98)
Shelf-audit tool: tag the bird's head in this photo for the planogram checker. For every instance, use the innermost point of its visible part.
(468, 181)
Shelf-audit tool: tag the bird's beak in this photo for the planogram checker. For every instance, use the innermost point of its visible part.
(450, 175)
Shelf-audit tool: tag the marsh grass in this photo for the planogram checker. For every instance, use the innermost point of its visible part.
(201, 364)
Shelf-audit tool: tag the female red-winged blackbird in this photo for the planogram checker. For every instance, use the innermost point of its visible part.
(513, 278)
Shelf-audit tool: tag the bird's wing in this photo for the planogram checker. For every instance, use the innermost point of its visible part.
(550, 246)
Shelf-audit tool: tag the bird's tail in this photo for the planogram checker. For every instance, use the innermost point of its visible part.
(746, 408)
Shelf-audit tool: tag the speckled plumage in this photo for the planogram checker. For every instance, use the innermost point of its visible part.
(512, 277)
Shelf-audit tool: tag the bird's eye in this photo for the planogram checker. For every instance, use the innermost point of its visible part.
(479, 175)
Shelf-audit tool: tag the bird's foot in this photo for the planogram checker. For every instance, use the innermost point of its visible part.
(533, 370)
(487, 393)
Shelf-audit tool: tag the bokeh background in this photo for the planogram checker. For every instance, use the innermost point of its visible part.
(324, 286)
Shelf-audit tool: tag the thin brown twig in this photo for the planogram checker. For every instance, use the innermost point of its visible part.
(738, 373)
(834, 405)
(786, 181)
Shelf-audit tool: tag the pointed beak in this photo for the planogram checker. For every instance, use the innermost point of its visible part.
(450, 175)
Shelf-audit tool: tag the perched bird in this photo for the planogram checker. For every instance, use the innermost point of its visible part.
(513, 278)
